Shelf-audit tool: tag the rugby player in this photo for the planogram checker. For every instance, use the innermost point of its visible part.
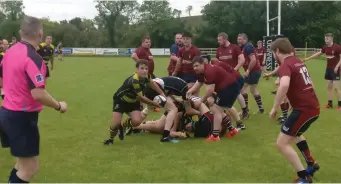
(171, 86)
(296, 84)
(5, 45)
(143, 52)
(261, 54)
(332, 75)
(223, 83)
(2, 53)
(174, 52)
(229, 69)
(46, 51)
(253, 71)
(60, 51)
(184, 63)
(128, 97)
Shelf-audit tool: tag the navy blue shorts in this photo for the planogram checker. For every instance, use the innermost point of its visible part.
(19, 132)
(241, 82)
(227, 96)
(253, 77)
(331, 75)
(189, 77)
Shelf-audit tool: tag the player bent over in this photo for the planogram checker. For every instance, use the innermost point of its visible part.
(295, 82)
(219, 81)
(128, 97)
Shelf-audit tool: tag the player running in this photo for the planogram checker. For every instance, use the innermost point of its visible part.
(296, 84)
(332, 75)
(128, 97)
(60, 51)
(174, 52)
(224, 84)
(143, 52)
(184, 63)
(46, 51)
(253, 71)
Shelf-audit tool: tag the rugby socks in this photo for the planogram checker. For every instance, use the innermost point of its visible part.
(113, 133)
(165, 133)
(126, 123)
(304, 148)
(244, 110)
(13, 178)
(246, 99)
(285, 109)
(227, 122)
(215, 133)
(258, 99)
(302, 174)
(330, 103)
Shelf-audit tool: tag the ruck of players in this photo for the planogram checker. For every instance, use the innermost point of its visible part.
(203, 97)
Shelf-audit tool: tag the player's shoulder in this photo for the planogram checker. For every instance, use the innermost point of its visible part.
(52, 46)
(42, 44)
(336, 46)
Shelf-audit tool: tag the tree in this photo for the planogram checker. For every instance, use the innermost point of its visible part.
(13, 10)
(110, 11)
(189, 10)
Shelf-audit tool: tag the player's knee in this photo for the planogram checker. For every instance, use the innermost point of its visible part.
(136, 121)
(28, 167)
(253, 90)
(210, 101)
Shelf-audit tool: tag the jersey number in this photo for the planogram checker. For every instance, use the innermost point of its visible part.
(305, 75)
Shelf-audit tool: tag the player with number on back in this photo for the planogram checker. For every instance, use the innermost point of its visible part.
(295, 83)
(127, 100)
(223, 83)
(332, 52)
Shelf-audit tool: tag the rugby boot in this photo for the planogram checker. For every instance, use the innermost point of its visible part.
(211, 138)
(313, 168)
(108, 142)
(304, 180)
(241, 126)
(232, 133)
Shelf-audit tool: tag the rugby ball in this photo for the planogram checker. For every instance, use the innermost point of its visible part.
(161, 100)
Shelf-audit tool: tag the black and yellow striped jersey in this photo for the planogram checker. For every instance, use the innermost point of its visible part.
(46, 51)
(132, 88)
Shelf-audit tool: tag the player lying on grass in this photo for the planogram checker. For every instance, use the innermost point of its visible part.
(128, 97)
(217, 80)
(295, 84)
(157, 126)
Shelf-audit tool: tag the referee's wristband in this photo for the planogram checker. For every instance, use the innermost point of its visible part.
(59, 107)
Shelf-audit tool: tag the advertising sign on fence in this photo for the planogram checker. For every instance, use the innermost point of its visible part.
(83, 51)
(67, 50)
(157, 52)
(126, 51)
(106, 51)
(167, 52)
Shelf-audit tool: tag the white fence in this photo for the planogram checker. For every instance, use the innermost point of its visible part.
(154, 51)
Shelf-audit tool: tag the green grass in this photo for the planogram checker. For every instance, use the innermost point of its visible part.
(72, 150)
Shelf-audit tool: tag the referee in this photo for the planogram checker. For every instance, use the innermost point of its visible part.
(24, 99)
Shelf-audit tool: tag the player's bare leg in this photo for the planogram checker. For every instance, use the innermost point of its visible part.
(284, 145)
(302, 145)
(114, 127)
(218, 117)
(241, 101)
(172, 112)
(330, 94)
(156, 126)
(134, 130)
(336, 86)
(234, 113)
(254, 91)
(196, 93)
(24, 170)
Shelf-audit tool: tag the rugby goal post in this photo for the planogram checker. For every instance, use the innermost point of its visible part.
(268, 39)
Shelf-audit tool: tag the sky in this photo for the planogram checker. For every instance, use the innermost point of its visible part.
(67, 9)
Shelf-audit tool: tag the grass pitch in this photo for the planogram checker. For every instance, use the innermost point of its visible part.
(72, 149)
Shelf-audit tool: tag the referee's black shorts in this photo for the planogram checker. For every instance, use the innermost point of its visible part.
(19, 132)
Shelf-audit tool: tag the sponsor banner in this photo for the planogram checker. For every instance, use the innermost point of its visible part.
(106, 51)
(269, 60)
(157, 52)
(67, 50)
(85, 51)
(126, 51)
(167, 51)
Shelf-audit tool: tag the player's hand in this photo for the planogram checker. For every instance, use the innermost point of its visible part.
(305, 59)
(273, 114)
(63, 107)
(156, 105)
(267, 74)
(246, 74)
(336, 70)
(150, 57)
(174, 74)
(189, 94)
